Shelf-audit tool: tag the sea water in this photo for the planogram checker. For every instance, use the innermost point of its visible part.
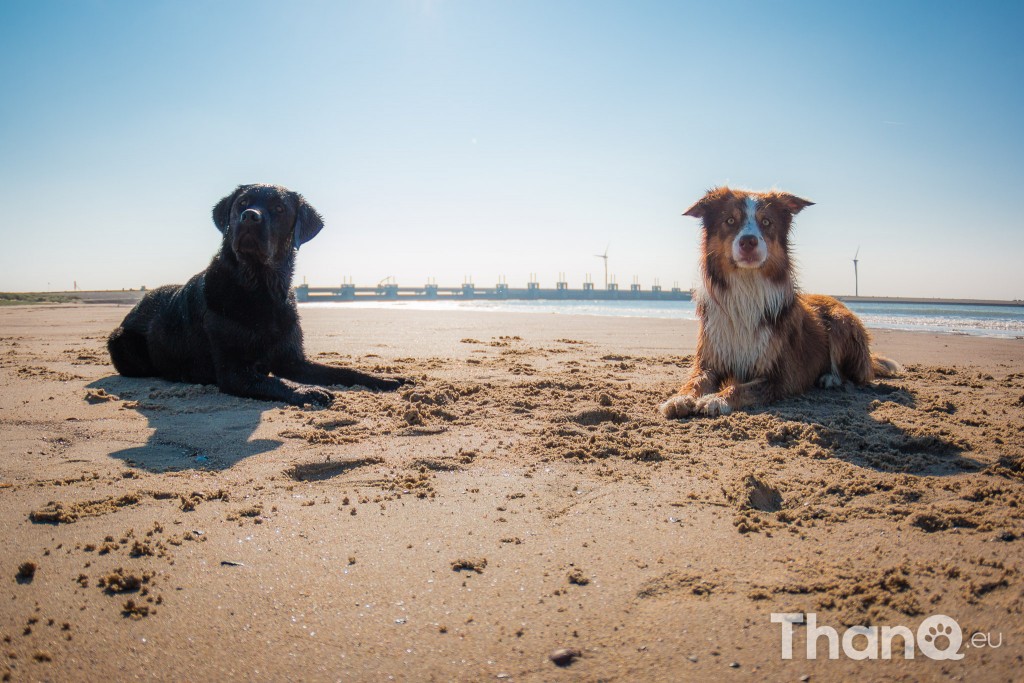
(939, 317)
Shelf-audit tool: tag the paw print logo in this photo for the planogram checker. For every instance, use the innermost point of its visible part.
(936, 632)
(940, 637)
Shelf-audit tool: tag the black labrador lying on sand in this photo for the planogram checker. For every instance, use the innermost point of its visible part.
(236, 322)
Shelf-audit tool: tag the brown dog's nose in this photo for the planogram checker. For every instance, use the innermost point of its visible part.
(251, 216)
(748, 243)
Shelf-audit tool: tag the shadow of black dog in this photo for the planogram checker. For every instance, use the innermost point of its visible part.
(194, 426)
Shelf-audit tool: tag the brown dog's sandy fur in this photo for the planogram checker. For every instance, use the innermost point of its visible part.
(760, 339)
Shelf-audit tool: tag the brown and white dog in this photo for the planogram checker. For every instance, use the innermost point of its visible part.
(760, 339)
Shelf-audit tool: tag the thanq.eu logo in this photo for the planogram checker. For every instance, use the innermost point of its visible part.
(938, 637)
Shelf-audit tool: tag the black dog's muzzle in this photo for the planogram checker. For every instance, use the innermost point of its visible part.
(251, 217)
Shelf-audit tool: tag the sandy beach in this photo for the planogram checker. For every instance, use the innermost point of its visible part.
(524, 497)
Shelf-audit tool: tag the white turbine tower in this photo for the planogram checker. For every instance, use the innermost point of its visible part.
(605, 257)
(856, 282)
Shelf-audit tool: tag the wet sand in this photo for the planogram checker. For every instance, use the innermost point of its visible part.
(524, 497)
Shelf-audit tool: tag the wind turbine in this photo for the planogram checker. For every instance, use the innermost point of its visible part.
(605, 257)
(856, 282)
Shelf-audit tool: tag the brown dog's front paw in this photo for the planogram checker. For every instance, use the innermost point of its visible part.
(678, 406)
(713, 406)
(316, 395)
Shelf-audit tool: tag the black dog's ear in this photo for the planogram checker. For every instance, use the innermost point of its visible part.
(222, 211)
(307, 221)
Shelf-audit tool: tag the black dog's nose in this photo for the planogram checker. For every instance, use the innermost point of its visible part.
(251, 216)
(748, 243)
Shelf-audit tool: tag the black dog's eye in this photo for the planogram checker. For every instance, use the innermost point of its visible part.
(278, 209)
(243, 202)
(731, 221)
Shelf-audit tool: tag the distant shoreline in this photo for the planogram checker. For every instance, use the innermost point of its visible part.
(130, 296)
(927, 300)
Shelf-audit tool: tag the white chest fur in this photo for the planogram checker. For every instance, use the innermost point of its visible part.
(735, 334)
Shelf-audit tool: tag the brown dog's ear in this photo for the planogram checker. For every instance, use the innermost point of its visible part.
(697, 210)
(791, 203)
(700, 209)
(222, 211)
(307, 221)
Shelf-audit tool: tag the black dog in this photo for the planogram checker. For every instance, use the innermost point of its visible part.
(236, 322)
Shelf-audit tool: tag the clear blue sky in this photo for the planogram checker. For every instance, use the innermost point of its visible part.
(448, 138)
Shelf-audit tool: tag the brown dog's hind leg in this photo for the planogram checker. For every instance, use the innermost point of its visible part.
(848, 344)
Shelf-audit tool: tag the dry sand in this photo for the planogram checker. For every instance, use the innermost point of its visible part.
(524, 497)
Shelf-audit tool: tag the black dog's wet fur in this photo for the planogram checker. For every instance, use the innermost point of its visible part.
(236, 322)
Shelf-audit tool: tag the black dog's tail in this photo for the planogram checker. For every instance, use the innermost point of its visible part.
(129, 353)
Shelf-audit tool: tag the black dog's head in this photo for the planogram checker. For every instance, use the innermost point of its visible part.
(264, 223)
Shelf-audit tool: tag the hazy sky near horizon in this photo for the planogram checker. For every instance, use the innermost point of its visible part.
(454, 138)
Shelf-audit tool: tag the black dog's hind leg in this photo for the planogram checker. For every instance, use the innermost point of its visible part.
(129, 352)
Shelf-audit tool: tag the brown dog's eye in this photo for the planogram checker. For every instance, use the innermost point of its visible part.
(765, 222)
(731, 221)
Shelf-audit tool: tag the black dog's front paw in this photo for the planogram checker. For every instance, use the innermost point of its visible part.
(390, 384)
(315, 395)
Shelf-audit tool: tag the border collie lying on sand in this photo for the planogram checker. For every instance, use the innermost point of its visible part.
(760, 339)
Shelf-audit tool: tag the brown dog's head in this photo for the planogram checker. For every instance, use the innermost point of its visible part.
(746, 230)
(265, 223)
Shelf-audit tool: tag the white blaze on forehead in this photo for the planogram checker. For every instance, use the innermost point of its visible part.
(751, 228)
